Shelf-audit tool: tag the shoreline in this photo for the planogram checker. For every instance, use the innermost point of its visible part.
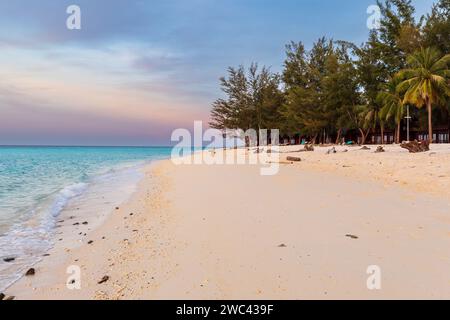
(216, 232)
(87, 211)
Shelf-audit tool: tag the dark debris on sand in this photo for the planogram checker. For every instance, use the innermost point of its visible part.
(104, 279)
(30, 272)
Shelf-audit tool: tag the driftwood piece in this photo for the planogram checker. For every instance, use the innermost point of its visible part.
(294, 159)
(309, 148)
(379, 149)
(332, 150)
(416, 146)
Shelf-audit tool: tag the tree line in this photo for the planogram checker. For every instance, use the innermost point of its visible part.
(337, 86)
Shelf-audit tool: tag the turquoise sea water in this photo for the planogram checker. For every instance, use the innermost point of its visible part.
(37, 183)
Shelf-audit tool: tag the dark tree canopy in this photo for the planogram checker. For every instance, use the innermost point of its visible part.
(337, 86)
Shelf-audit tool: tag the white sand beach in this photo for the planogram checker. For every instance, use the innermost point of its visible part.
(226, 232)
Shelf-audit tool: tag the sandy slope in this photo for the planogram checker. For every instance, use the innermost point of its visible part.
(226, 232)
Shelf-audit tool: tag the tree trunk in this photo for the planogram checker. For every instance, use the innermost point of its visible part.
(382, 134)
(397, 138)
(338, 136)
(395, 135)
(258, 137)
(430, 122)
(363, 136)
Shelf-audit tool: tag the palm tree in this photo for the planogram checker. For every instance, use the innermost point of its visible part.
(425, 82)
(392, 104)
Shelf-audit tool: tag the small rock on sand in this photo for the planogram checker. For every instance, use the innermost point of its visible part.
(90, 242)
(294, 159)
(104, 279)
(282, 246)
(30, 272)
(9, 259)
(351, 236)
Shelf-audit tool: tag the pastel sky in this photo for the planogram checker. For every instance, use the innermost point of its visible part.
(139, 69)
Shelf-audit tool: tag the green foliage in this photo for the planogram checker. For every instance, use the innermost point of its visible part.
(436, 30)
(391, 101)
(253, 99)
(426, 81)
(337, 86)
(304, 74)
(426, 78)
